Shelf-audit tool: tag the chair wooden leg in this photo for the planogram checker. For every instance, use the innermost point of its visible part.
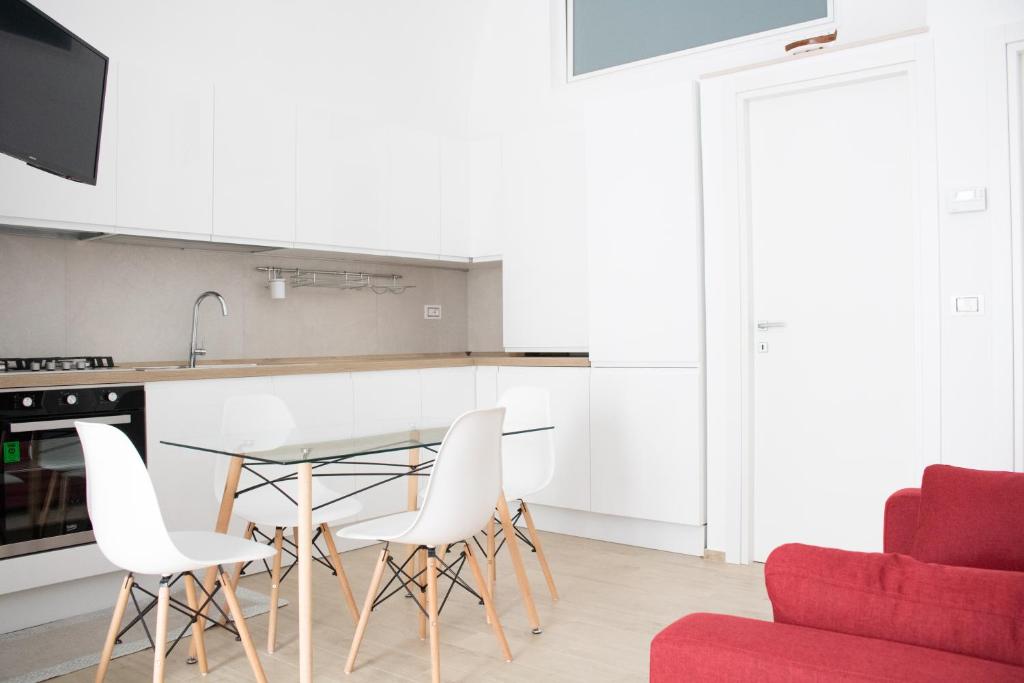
(51, 489)
(435, 631)
(517, 564)
(492, 566)
(115, 626)
(198, 626)
(160, 636)
(364, 615)
(243, 630)
(63, 514)
(250, 529)
(275, 590)
(339, 569)
(420, 564)
(535, 539)
(492, 614)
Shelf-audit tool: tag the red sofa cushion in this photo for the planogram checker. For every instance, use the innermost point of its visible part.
(715, 647)
(901, 511)
(974, 612)
(971, 518)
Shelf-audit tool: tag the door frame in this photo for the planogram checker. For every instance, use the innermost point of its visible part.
(1006, 157)
(728, 262)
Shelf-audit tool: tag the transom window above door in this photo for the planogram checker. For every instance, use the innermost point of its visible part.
(604, 34)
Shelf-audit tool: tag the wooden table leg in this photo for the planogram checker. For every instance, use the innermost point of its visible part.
(419, 561)
(305, 553)
(517, 563)
(227, 505)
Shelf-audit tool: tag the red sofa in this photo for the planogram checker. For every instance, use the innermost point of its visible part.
(944, 602)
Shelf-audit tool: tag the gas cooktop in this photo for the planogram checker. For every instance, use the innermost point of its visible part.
(57, 363)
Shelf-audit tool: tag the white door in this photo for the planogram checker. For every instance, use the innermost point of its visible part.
(835, 251)
(820, 221)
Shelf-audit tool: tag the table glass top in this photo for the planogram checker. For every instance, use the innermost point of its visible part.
(340, 449)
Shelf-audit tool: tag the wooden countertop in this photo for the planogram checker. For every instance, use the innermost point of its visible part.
(138, 373)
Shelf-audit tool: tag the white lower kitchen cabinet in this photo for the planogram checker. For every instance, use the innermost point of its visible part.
(569, 389)
(190, 412)
(647, 444)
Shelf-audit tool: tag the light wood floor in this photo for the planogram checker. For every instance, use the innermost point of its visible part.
(614, 598)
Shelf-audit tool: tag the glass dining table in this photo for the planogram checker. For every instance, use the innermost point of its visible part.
(312, 459)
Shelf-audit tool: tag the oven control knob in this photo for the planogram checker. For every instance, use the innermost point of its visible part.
(27, 402)
(111, 396)
(70, 399)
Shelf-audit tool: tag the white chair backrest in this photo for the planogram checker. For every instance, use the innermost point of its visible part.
(528, 460)
(465, 481)
(253, 422)
(122, 504)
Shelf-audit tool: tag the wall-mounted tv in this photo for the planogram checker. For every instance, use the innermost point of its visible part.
(51, 94)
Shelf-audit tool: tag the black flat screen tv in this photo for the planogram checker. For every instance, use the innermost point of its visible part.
(51, 94)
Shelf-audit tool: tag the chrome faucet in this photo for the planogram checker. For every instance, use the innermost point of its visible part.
(194, 352)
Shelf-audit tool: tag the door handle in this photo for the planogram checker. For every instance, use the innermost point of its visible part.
(768, 324)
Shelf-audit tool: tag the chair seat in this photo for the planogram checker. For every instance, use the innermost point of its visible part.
(386, 528)
(278, 511)
(207, 548)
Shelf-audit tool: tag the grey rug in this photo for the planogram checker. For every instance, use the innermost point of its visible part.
(61, 647)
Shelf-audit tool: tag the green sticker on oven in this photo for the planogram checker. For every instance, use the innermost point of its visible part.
(12, 452)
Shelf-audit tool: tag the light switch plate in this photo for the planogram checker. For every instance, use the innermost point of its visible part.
(432, 312)
(964, 199)
(968, 305)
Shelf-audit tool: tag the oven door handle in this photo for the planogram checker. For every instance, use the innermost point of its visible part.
(40, 425)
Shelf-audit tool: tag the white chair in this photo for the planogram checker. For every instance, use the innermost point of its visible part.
(464, 482)
(528, 466)
(130, 532)
(260, 422)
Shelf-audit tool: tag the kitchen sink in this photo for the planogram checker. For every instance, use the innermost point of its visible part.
(204, 366)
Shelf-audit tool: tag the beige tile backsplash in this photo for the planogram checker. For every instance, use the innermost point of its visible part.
(63, 297)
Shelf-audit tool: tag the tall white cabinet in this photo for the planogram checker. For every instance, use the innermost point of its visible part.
(544, 274)
(644, 229)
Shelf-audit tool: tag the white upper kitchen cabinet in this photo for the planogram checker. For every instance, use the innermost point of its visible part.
(470, 198)
(485, 198)
(164, 152)
(644, 228)
(569, 389)
(341, 176)
(456, 189)
(647, 443)
(254, 166)
(29, 196)
(413, 194)
(544, 274)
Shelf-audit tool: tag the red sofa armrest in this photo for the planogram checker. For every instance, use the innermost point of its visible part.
(901, 510)
(968, 611)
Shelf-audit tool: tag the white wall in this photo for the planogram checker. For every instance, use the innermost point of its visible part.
(519, 84)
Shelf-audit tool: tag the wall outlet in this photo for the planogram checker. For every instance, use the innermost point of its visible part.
(432, 312)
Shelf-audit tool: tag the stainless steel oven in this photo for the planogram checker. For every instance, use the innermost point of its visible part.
(42, 500)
